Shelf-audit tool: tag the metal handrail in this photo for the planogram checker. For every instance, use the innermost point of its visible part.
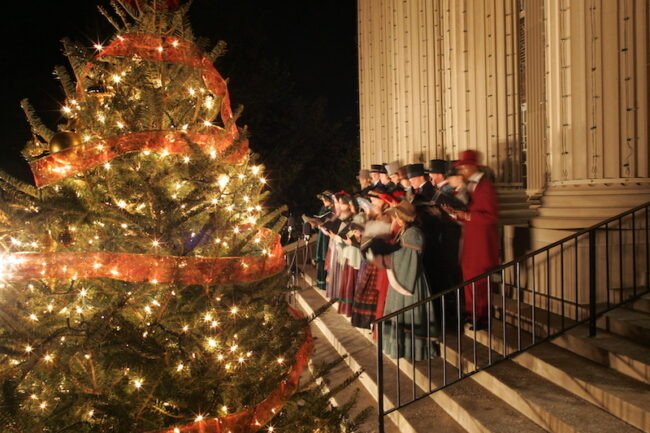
(508, 351)
(517, 260)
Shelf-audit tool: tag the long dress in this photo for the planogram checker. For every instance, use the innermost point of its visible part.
(348, 283)
(480, 250)
(397, 338)
(322, 245)
(331, 263)
(335, 265)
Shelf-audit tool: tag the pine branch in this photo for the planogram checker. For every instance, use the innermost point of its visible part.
(178, 26)
(77, 56)
(109, 18)
(279, 225)
(18, 185)
(36, 123)
(66, 82)
(134, 13)
(119, 10)
(217, 51)
(201, 43)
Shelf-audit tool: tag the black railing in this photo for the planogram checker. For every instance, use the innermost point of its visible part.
(530, 300)
(298, 254)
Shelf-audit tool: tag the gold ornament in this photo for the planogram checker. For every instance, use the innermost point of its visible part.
(63, 140)
(100, 92)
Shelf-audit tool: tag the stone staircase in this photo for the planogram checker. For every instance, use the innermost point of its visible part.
(573, 383)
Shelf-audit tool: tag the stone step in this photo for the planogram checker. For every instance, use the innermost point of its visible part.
(361, 354)
(547, 404)
(517, 212)
(523, 314)
(616, 393)
(642, 304)
(325, 353)
(475, 409)
(514, 205)
(631, 324)
(609, 349)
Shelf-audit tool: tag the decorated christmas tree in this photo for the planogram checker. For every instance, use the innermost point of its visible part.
(143, 285)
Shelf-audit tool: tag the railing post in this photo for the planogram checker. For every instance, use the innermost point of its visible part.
(380, 378)
(592, 283)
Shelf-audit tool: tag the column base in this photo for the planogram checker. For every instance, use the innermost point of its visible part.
(573, 206)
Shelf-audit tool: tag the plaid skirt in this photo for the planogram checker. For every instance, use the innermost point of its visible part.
(366, 297)
(347, 286)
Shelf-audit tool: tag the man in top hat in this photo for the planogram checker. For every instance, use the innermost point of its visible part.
(375, 171)
(480, 248)
(365, 182)
(430, 221)
(385, 179)
(392, 169)
(405, 183)
(437, 171)
(423, 189)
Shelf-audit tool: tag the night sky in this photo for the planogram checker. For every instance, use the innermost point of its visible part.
(312, 43)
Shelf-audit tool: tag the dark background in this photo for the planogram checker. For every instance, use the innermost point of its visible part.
(292, 64)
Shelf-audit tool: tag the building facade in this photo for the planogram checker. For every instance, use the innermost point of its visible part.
(553, 93)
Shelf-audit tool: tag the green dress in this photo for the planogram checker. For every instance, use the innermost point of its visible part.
(407, 268)
(321, 253)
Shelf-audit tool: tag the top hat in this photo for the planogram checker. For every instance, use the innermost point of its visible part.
(378, 168)
(438, 166)
(403, 172)
(414, 170)
(392, 167)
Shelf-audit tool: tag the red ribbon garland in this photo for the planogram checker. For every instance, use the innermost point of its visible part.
(60, 165)
(146, 267)
(53, 168)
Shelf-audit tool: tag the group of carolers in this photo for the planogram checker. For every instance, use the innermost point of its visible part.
(408, 234)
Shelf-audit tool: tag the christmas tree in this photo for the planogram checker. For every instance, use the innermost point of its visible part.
(142, 280)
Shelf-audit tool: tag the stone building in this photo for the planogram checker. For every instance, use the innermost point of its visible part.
(554, 93)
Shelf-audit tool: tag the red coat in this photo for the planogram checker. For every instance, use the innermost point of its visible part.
(480, 238)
